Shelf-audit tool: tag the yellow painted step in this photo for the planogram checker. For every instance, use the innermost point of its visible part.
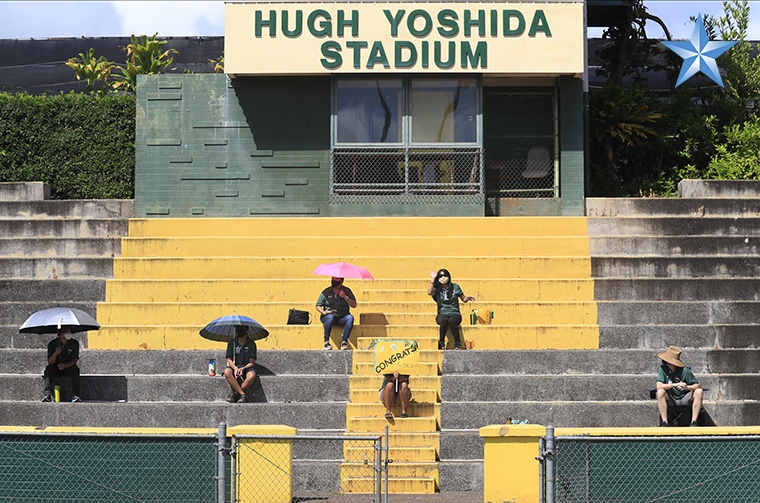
(368, 356)
(377, 410)
(397, 454)
(360, 226)
(307, 290)
(377, 425)
(366, 485)
(380, 267)
(357, 382)
(371, 395)
(367, 313)
(423, 368)
(396, 469)
(263, 246)
(411, 439)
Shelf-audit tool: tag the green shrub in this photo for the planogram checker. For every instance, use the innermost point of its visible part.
(82, 145)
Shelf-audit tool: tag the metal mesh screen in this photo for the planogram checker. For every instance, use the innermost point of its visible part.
(306, 468)
(520, 143)
(387, 176)
(647, 469)
(63, 468)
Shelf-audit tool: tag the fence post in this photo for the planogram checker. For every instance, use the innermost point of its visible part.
(549, 459)
(385, 465)
(222, 454)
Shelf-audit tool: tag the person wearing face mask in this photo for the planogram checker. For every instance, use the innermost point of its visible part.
(334, 306)
(447, 294)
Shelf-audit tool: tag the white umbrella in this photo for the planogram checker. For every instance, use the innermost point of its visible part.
(49, 321)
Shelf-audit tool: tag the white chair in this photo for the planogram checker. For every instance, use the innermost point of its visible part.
(539, 163)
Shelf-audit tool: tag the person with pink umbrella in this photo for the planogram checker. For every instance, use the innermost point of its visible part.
(334, 306)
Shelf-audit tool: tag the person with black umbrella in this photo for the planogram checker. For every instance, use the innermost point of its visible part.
(62, 359)
(241, 359)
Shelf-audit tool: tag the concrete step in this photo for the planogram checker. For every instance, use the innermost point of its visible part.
(461, 444)
(192, 363)
(675, 246)
(423, 368)
(227, 290)
(68, 227)
(657, 207)
(611, 413)
(184, 388)
(397, 454)
(461, 475)
(56, 267)
(11, 338)
(425, 355)
(641, 289)
(171, 414)
(380, 267)
(69, 208)
(52, 290)
(60, 247)
(598, 362)
(410, 439)
(367, 313)
(584, 388)
(685, 267)
(360, 226)
(746, 227)
(367, 382)
(289, 246)
(377, 410)
(377, 425)
(396, 485)
(654, 336)
(739, 189)
(678, 312)
(397, 470)
(16, 313)
(421, 395)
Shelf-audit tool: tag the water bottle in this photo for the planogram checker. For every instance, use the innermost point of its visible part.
(57, 393)
(212, 367)
(474, 317)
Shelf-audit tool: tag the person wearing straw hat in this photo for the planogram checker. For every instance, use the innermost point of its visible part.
(677, 386)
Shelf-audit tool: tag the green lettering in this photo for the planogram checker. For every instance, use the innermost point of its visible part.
(425, 59)
(401, 61)
(357, 48)
(447, 18)
(295, 32)
(377, 56)
(259, 22)
(411, 21)
(508, 16)
(321, 28)
(332, 58)
(440, 63)
(394, 20)
(476, 59)
(480, 22)
(539, 24)
(353, 23)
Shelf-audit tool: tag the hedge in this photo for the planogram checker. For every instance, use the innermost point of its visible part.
(82, 145)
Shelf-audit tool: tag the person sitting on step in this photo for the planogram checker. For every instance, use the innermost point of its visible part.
(62, 359)
(677, 386)
(241, 359)
(447, 295)
(334, 305)
(395, 389)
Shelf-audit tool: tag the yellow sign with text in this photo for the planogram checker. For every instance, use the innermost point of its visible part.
(396, 356)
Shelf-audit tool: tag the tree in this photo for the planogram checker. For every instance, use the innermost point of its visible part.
(91, 70)
(144, 57)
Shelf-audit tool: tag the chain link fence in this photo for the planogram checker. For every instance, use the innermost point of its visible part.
(520, 140)
(302, 468)
(412, 175)
(65, 467)
(652, 469)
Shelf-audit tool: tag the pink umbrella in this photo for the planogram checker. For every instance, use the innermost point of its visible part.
(342, 270)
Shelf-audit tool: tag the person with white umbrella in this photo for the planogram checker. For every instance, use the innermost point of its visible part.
(241, 360)
(62, 359)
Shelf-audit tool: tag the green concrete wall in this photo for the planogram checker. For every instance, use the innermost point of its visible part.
(209, 146)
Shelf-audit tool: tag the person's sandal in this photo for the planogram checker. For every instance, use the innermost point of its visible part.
(404, 414)
(388, 415)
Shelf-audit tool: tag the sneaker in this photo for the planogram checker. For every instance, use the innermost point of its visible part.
(441, 346)
(47, 398)
(664, 424)
(457, 347)
(75, 399)
(693, 423)
(327, 345)
(232, 398)
(344, 346)
(243, 399)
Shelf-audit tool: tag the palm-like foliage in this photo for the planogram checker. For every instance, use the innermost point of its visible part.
(91, 70)
(144, 56)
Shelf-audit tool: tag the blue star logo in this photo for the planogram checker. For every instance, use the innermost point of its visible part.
(699, 54)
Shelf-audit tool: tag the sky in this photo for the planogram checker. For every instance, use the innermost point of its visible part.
(40, 19)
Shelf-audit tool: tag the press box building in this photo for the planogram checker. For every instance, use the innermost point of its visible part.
(353, 108)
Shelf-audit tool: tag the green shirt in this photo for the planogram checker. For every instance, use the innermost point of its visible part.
(448, 299)
(241, 354)
(683, 374)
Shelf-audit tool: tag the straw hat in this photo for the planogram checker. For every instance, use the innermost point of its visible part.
(672, 355)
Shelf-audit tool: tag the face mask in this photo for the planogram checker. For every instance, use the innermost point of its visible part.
(444, 280)
(335, 284)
